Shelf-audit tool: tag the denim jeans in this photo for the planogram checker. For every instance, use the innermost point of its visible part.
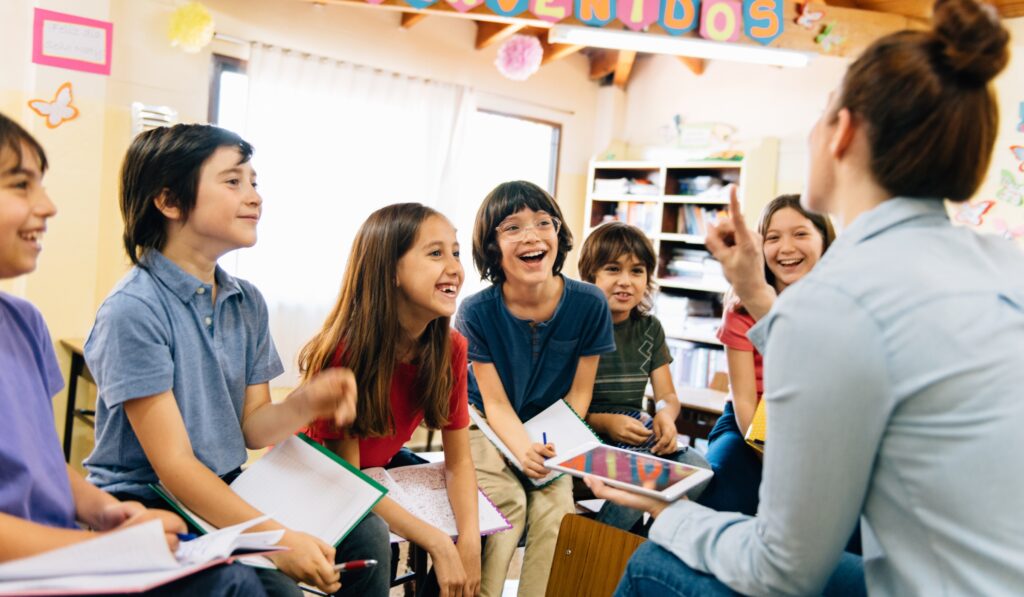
(737, 480)
(653, 570)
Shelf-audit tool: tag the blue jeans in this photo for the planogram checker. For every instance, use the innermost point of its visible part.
(653, 570)
(625, 518)
(737, 480)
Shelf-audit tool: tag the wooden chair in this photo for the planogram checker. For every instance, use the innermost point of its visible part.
(590, 558)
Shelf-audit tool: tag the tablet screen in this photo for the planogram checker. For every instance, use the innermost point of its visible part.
(630, 467)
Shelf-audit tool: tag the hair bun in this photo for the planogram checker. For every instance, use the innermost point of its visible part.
(974, 42)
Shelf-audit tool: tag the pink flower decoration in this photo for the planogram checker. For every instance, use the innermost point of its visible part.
(519, 57)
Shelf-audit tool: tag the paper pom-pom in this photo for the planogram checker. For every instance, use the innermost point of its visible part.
(519, 57)
(191, 27)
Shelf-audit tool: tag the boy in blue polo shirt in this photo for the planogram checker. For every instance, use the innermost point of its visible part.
(182, 354)
(41, 498)
(535, 337)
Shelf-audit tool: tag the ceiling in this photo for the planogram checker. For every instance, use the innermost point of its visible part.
(857, 22)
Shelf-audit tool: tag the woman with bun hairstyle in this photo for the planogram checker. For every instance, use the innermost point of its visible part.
(893, 371)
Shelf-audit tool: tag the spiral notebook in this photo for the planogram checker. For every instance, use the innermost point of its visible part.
(129, 560)
(559, 422)
(421, 489)
(303, 486)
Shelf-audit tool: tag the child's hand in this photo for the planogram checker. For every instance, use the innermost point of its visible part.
(127, 514)
(308, 560)
(665, 433)
(625, 498)
(626, 429)
(451, 575)
(533, 460)
(469, 553)
(332, 393)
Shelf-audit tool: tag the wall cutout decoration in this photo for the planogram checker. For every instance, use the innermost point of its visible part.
(1020, 125)
(829, 39)
(59, 110)
(191, 27)
(1018, 152)
(808, 19)
(72, 42)
(1009, 191)
(1006, 231)
(973, 213)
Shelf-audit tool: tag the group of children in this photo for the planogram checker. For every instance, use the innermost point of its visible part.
(182, 357)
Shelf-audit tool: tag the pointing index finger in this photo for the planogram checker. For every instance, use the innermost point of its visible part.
(742, 234)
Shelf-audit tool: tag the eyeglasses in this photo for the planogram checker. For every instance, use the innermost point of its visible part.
(543, 228)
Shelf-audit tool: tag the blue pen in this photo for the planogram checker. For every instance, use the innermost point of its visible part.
(187, 536)
(544, 436)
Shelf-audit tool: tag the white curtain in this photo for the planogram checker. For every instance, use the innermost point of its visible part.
(334, 142)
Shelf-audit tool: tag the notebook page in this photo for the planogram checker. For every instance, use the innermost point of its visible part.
(139, 548)
(427, 483)
(563, 427)
(307, 490)
(90, 584)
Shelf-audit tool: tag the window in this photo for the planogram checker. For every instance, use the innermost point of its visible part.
(229, 88)
(501, 147)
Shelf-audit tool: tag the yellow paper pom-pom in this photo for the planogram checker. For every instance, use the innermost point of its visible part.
(191, 27)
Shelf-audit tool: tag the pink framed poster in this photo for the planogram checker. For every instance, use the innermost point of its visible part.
(72, 42)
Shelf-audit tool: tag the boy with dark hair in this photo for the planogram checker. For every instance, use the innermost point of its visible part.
(182, 353)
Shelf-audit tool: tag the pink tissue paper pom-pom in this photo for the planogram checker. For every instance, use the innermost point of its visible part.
(519, 57)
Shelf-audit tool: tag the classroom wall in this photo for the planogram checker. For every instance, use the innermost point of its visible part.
(759, 101)
(784, 103)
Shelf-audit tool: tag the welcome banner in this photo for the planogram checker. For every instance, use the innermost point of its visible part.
(718, 20)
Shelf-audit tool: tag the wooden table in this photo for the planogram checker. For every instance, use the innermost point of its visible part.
(700, 409)
(78, 369)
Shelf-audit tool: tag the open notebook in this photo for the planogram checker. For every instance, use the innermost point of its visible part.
(129, 560)
(305, 487)
(563, 427)
(421, 489)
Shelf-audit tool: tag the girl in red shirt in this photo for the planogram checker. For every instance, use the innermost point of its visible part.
(390, 327)
(794, 239)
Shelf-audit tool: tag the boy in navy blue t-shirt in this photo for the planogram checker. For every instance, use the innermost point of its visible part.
(535, 337)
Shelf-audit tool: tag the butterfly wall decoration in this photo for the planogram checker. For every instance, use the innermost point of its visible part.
(1006, 231)
(1009, 191)
(1018, 152)
(808, 19)
(973, 213)
(829, 39)
(59, 110)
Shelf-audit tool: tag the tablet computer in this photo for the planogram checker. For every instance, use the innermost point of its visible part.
(659, 478)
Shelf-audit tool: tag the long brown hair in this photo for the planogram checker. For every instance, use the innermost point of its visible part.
(932, 117)
(821, 223)
(364, 327)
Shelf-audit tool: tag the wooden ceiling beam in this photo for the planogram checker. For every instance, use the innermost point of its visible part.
(409, 19)
(696, 65)
(553, 52)
(602, 63)
(488, 34)
(623, 68)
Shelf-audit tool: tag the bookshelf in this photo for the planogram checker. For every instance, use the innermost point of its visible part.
(671, 201)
